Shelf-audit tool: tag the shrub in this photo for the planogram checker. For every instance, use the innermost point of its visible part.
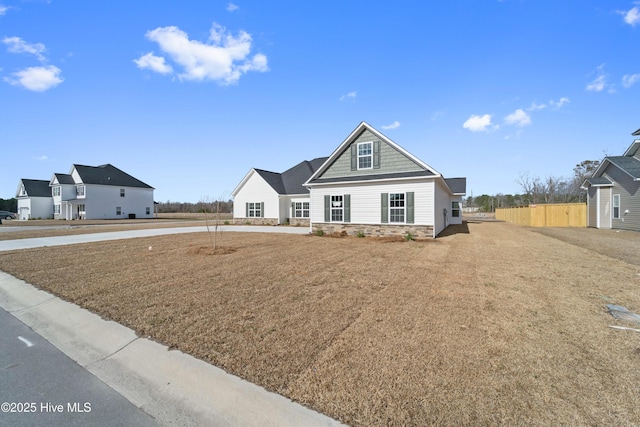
(319, 232)
(409, 236)
(360, 233)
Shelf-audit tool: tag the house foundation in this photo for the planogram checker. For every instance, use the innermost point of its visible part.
(417, 231)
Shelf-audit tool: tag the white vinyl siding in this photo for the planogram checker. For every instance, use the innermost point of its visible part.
(365, 200)
(256, 189)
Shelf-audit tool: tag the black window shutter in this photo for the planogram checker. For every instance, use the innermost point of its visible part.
(354, 157)
(347, 208)
(246, 210)
(410, 207)
(376, 154)
(327, 208)
(384, 211)
(293, 209)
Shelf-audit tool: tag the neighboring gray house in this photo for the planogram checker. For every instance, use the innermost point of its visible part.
(34, 199)
(613, 199)
(264, 197)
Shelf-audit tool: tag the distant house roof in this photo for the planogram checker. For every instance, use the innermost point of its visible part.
(107, 175)
(64, 178)
(457, 185)
(636, 133)
(36, 187)
(291, 180)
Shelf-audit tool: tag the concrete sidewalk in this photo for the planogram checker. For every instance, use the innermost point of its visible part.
(10, 245)
(173, 387)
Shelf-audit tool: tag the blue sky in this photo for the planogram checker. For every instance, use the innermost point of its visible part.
(189, 95)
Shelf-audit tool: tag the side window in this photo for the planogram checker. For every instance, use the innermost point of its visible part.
(616, 206)
(455, 209)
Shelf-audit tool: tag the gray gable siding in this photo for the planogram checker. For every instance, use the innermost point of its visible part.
(628, 189)
(391, 160)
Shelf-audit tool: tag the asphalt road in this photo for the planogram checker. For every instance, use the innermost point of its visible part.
(41, 386)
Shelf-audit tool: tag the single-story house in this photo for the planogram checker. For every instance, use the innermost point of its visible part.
(34, 199)
(272, 198)
(368, 185)
(613, 199)
(94, 192)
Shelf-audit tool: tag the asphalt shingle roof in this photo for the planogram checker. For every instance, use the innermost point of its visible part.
(64, 178)
(457, 185)
(36, 187)
(107, 175)
(630, 165)
(599, 181)
(291, 180)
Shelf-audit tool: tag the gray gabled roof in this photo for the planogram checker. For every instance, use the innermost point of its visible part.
(64, 178)
(36, 187)
(291, 180)
(274, 179)
(457, 185)
(629, 165)
(598, 182)
(107, 175)
(636, 133)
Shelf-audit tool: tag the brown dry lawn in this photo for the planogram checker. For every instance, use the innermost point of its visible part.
(493, 324)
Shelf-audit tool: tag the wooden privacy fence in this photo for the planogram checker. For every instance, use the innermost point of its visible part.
(554, 215)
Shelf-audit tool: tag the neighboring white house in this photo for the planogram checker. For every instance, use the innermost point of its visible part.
(368, 185)
(94, 192)
(264, 197)
(34, 199)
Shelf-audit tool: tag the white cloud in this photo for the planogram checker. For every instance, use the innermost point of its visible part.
(154, 63)
(600, 82)
(394, 125)
(559, 103)
(629, 80)
(43, 158)
(632, 16)
(478, 123)
(37, 79)
(518, 118)
(232, 7)
(535, 107)
(350, 95)
(223, 58)
(17, 45)
(3, 9)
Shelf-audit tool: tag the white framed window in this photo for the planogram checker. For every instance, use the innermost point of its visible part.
(301, 210)
(365, 155)
(56, 191)
(118, 210)
(254, 210)
(80, 191)
(23, 191)
(56, 209)
(616, 206)
(148, 210)
(455, 209)
(122, 192)
(396, 207)
(337, 208)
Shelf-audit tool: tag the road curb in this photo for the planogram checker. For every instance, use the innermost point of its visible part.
(171, 386)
